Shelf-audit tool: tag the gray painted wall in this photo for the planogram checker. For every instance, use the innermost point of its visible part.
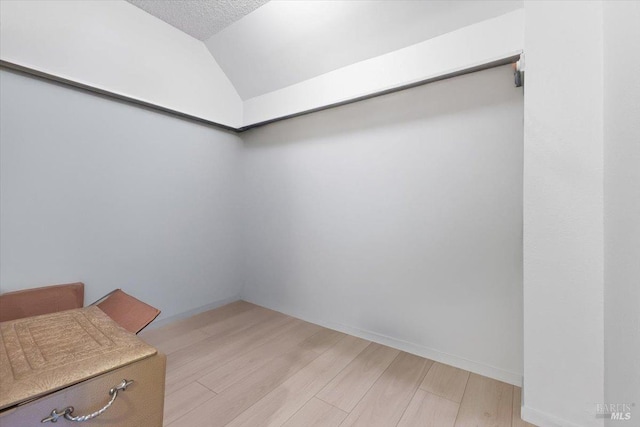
(622, 207)
(397, 218)
(115, 196)
(563, 214)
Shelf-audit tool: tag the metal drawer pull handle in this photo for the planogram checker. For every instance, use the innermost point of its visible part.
(69, 409)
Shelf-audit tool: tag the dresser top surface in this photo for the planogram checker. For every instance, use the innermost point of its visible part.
(42, 354)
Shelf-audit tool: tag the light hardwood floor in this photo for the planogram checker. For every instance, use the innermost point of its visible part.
(245, 365)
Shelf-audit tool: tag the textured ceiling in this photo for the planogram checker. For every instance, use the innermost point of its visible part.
(199, 18)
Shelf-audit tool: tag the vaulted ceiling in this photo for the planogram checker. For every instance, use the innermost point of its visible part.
(243, 63)
(265, 46)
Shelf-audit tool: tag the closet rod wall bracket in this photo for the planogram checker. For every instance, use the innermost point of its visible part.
(518, 72)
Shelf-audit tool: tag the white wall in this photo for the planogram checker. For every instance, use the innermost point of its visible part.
(114, 195)
(622, 204)
(397, 218)
(115, 46)
(563, 213)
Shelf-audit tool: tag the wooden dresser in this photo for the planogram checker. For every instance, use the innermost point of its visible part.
(68, 362)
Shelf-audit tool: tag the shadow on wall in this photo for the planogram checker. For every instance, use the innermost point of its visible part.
(399, 215)
(394, 109)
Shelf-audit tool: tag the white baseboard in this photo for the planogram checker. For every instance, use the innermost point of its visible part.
(542, 419)
(183, 315)
(417, 349)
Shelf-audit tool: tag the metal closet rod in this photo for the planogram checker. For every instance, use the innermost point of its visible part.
(123, 98)
(105, 93)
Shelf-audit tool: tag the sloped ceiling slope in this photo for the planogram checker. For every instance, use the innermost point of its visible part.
(286, 42)
(282, 59)
(199, 18)
(115, 47)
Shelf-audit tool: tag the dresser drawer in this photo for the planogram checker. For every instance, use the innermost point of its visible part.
(140, 405)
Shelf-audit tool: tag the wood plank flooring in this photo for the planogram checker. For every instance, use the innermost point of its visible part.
(244, 365)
